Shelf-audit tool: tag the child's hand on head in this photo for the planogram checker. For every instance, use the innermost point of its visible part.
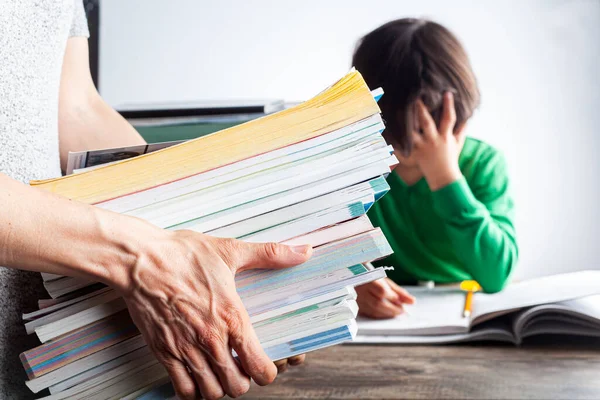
(437, 149)
(382, 299)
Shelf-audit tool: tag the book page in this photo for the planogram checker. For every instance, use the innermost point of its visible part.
(498, 335)
(492, 331)
(572, 317)
(589, 305)
(436, 312)
(549, 289)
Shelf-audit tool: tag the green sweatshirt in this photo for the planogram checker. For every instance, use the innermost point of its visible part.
(462, 231)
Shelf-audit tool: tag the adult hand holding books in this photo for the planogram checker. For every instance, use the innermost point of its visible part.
(181, 294)
(178, 285)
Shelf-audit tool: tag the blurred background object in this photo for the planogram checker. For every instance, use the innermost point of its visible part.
(92, 12)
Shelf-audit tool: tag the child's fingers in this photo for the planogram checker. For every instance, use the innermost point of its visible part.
(448, 115)
(461, 134)
(379, 313)
(402, 299)
(426, 122)
(367, 308)
(396, 300)
(389, 309)
(366, 300)
(372, 306)
(382, 290)
(402, 293)
(386, 289)
(379, 289)
(417, 140)
(407, 298)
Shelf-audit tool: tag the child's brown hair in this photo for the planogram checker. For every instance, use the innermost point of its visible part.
(410, 59)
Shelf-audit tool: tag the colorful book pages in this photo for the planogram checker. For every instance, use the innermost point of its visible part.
(78, 344)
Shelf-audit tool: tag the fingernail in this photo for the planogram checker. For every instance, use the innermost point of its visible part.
(303, 249)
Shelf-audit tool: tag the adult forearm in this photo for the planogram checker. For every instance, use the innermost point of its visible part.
(86, 122)
(92, 124)
(43, 232)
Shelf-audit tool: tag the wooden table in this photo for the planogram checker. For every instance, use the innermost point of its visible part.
(553, 369)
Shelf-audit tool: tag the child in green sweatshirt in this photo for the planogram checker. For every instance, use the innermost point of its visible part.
(449, 214)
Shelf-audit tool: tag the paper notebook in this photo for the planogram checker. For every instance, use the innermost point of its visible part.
(565, 303)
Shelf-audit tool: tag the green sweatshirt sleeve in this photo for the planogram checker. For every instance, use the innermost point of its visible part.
(479, 217)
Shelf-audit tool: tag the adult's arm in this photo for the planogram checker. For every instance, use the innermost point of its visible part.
(179, 286)
(86, 121)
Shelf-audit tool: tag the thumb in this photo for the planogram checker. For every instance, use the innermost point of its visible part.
(269, 255)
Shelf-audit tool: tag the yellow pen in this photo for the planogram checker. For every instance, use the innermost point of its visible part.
(470, 287)
(468, 305)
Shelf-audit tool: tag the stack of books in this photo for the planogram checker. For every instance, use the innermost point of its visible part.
(305, 175)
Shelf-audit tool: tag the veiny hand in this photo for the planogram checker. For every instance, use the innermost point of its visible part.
(282, 365)
(181, 295)
(437, 150)
(382, 299)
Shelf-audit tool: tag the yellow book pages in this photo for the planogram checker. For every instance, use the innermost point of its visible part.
(347, 101)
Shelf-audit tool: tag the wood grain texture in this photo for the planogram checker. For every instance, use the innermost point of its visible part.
(540, 371)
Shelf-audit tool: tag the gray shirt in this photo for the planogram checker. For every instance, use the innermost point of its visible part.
(33, 37)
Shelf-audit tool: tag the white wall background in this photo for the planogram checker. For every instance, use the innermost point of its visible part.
(537, 63)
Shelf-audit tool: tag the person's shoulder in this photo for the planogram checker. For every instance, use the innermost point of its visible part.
(479, 160)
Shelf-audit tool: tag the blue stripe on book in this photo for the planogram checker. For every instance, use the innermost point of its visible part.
(299, 342)
(323, 339)
(358, 269)
(380, 187)
(329, 340)
(357, 209)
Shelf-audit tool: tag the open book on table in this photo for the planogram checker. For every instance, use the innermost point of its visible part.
(566, 304)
